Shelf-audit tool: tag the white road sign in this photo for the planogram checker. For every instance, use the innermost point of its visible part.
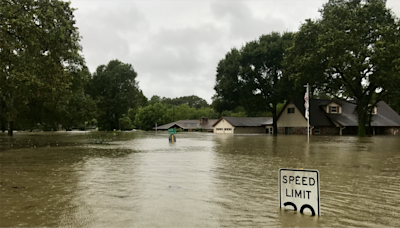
(299, 190)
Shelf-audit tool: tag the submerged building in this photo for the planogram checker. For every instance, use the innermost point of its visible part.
(334, 117)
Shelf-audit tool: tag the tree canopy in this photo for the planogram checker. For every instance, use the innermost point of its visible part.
(116, 90)
(353, 52)
(192, 101)
(253, 77)
(39, 51)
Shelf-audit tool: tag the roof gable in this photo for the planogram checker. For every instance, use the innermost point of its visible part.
(318, 116)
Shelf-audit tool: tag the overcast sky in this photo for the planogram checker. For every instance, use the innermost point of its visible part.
(175, 46)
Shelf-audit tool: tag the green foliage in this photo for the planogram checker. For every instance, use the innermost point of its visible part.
(81, 107)
(233, 114)
(253, 77)
(354, 50)
(228, 89)
(125, 123)
(115, 89)
(148, 116)
(304, 64)
(192, 101)
(39, 51)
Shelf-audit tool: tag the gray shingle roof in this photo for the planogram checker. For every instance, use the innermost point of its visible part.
(317, 114)
(385, 117)
(188, 124)
(247, 121)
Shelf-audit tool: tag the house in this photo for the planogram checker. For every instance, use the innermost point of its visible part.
(334, 117)
(231, 125)
(203, 124)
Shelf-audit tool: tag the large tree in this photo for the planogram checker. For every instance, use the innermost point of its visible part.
(116, 90)
(81, 107)
(253, 77)
(304, 64)
(228, 90)
(39, 44)
(358, 45)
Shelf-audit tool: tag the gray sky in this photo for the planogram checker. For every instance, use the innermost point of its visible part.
(175, 45)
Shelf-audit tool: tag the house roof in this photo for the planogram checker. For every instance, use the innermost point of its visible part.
(385, 117)
(347, 118)
(188, 124)
(246, 121)
(317, 114)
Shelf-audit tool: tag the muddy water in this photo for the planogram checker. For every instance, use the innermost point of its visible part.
(138, 179)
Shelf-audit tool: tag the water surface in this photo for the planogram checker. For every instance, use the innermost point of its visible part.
(139, 179)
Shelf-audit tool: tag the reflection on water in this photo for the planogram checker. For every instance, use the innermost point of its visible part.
(202, 180)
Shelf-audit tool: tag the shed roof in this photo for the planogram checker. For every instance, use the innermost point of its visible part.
(188, 124)
(246, 121)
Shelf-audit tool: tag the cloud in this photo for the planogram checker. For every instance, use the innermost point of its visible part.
(175, 46)
(108, 31)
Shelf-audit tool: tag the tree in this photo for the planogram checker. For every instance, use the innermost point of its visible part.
(115, 89)
(304, 64)
(125, 122)
(39, 46)
(155, 99)
(81, 107)
(192, 101)
(358, 44)
(228, 89)
(255, 75)
(262, 71)
(148, 116)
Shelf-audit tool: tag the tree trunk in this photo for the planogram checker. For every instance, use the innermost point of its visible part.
(3, 126)
(274, 119)
(361, 129)
(361, 114)
(10, 128)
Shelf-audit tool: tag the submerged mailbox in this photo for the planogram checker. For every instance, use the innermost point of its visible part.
(299, 189)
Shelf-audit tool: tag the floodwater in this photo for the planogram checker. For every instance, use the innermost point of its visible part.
(139, 179)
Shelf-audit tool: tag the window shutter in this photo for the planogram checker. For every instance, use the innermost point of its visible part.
(330, 109)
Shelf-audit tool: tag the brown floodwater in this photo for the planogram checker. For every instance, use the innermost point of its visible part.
(139, 179)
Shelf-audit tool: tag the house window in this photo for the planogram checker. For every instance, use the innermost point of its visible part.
(317, 130)
(219, 129)
(334, 109)
(288, 130)
(290, 110)
(228, 129)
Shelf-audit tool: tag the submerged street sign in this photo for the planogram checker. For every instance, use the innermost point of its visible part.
(172, 131)
(299, 189)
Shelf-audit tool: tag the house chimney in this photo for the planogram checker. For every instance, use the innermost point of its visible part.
(203, 120)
